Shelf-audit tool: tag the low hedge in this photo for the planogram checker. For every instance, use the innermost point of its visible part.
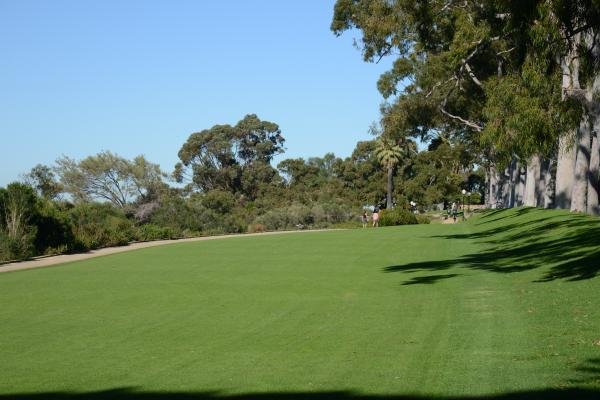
(397, 216)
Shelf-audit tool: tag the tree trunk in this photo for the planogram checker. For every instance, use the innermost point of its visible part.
(565, 170)
(594, 177)
(582, 168)
(492, 183)
(520, 185)
(390, 187)
(509, 187)
(548, 176)
(532, 181)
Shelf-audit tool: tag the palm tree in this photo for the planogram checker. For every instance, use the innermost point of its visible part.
(388, 154)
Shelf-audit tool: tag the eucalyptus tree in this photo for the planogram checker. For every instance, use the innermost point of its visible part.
(43, 180)
(231, 158)
(503, 76)
(109, 177)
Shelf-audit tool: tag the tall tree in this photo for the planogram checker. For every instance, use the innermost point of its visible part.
(42, 178)
(389, 154)
(109, 177)
(224, 155)
(487, 72)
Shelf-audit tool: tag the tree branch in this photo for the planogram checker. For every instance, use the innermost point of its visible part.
(471, 74)
(473, 125)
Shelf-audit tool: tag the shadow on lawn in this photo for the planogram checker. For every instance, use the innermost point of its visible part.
(419, 280)
(130, 393)
(569, 244)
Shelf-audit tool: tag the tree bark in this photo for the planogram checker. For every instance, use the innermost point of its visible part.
(565, 170)
(532, 181)
(511, 185)
(492, 183)
(594, 177)
(390, 187)
(520, 185)
(593, 206)
(582, 168)
(549, 178)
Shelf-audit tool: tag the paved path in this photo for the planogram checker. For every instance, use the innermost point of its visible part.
(54, 260)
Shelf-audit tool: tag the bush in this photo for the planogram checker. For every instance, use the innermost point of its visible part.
(154, 232)
(423, 219)
(17, 248)
(54, 230)
(256, 228)
(98, 225)
(396, 216)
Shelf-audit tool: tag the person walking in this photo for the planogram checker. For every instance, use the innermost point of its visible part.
(365, 219)
(376, 218)
(454, 211)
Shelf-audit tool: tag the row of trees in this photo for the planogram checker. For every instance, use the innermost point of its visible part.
(225, 183)
(514, 82)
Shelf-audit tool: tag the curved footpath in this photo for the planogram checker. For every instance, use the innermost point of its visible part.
(66, 258)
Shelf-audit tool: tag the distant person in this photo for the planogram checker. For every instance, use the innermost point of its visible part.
(365, 219)
(454, 211)
(376, 218)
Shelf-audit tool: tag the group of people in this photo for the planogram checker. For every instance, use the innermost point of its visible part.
(374, 218)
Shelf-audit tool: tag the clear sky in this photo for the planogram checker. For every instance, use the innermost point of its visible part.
(138, 77)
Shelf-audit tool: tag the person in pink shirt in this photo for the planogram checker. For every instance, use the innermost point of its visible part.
(376, 218)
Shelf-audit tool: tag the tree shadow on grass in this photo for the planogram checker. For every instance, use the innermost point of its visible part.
(131, 393)
(591, 370)
(568, 244)
(429, 279)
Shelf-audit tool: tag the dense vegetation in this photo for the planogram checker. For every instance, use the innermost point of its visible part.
(503, 306)
(225, 183)
(514, 82)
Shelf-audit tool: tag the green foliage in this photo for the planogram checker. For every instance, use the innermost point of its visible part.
(397, 216)
(54, 231)
(17, 229)
(109, 177)
(43, 180)
(297, 215)
(219, 201)
(149, 232)
(423, 219)
(227, 157)
(98, 225)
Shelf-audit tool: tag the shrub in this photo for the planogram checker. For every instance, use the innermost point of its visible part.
(256, 228)
(98, 225)
(17, 247)
(423, 219)
(396, 216)
(54, 230)
(154, 232)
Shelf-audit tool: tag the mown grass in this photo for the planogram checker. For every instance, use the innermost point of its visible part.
(505, 306)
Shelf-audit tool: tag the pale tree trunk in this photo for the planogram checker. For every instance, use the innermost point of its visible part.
(509, 187)
(547, 188)
(390, 187)
(565, 170)
(518, 184)
(532, 181)
(492, 183)
(593, 206)
(565, 167)
(594, 177)
(582, 168)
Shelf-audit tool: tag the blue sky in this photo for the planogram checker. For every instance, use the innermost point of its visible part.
(138, 77)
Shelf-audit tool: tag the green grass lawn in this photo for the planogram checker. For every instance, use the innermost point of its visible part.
(505, 306)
